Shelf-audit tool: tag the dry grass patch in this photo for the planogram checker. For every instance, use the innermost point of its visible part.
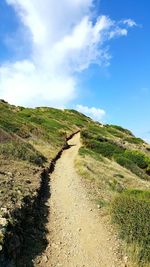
(107, 177)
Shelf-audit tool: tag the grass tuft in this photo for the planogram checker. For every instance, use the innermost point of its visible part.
(131, 212)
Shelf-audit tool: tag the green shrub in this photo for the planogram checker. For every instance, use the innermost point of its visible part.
(137, 157)
(85, 134)
(130, 165)
(121, 129)
(134, 140)
(131, 212)
(101, 138)
(115, 132)
(148, 170)
(106, 149)
(136, 161)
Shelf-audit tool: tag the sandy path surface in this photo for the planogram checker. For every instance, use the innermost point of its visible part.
(77, 235)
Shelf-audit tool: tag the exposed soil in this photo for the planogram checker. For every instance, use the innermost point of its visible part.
(77, 234)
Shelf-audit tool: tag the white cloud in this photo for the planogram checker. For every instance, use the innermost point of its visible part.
(118, 32)
(129, 22)
(23, 84)
(95, 113)
(64, 40)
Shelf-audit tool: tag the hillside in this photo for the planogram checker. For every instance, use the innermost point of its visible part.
(29, 139)
(114, 166)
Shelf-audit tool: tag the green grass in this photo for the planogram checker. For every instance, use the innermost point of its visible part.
(106, 149)
(138, 158)
(121, 129)
(134, 160)
(130, 165)
(115, 132)
(37, 126)
(84, 151)
(131, 213)
(134, 140)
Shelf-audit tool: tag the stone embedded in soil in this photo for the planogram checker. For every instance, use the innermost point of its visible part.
(28, 181)
(45, 258)
(3, 222)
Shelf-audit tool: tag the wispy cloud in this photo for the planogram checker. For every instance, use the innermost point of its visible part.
(129, 22)
(95, 113)
(63, 40)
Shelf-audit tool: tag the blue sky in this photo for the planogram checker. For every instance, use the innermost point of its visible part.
(85, 54)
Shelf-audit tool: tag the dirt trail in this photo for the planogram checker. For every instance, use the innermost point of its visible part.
(77, 236)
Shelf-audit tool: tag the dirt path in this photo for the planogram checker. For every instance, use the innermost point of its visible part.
(77, 236)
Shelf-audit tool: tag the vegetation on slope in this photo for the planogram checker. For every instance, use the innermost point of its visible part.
(29, 139)
(135, 160)
(40, 127)
(117, 165)
(131, 212)
(112, 158)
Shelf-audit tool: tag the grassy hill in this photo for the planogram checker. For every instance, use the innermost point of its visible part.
(29, 140)
(114, 164)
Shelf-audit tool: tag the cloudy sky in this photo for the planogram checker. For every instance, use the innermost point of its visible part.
(84, 54)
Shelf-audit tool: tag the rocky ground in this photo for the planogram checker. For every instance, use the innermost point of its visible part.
(16, 182)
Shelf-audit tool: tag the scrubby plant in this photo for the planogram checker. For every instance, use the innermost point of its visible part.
(85, 134)
(100, 138)
(121, 129)
(130, 165)
(106, 149)
(131, 212)
(137, 157)
(134, 140)
(115, 132)
(134, 160)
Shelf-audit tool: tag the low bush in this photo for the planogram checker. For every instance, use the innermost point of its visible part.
(106, 149)
(85, 134)
(23, 151)
(134, 140)
(115, 132)
(121, 129)
(101, 138)
(137, 157)
(131, 212)
(130, 165)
